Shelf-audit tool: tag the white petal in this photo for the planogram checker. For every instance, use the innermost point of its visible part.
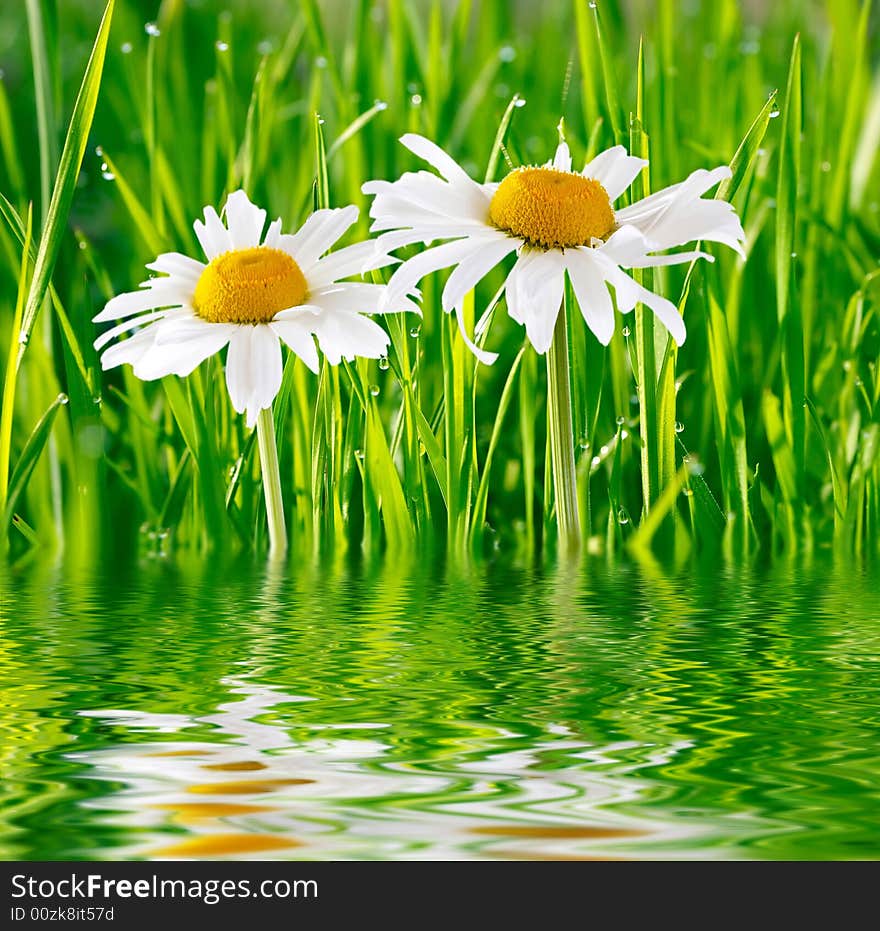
(212, 234)
(483, 355)
(630, 292)
(322, 229)
(562, 159)
(273, 234)
(185, 325)
(346, 336)
(359, 297)
(535, 294)
(244, 220)
(678, 214)
(268, 371)
(163, 292)
(358, 259)
(239, 363)
(181, 357)
(131, 324)
(591, 293)
(474, 267)
(129, 350)
(615, 170)
(253, 369)
(434, 155)
(298, 336)
(178, 265)
(629, 247)
(428, 232)
(422, 197)
(408, 275)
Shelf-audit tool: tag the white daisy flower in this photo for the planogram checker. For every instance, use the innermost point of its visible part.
(557, 221)
(254, 293)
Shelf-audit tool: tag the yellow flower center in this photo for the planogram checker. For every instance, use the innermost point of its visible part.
(249, 286)
(552, 209)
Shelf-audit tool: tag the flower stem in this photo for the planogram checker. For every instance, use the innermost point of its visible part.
(271, 483)
(559, 421)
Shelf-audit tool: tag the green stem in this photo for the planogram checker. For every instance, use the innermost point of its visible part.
(559, 421)
(647, 394)
(271, 483)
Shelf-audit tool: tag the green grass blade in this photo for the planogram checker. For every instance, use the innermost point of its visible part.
(65, 181)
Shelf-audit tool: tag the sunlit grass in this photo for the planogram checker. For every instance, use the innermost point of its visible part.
(760, 435)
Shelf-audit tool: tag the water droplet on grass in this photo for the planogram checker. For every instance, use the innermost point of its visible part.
(151, 29)
(415, 331)
(679, 426)
(384, 364)
(507, 53)
(626, 331)
(221, 46)
(622, 516)
(621, 420)
(126, 48)
(374, 390)
(773, 113)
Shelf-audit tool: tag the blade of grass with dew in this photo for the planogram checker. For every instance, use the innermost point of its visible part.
(65, 181)
(788, 310)
(479, 518)
(29, 457)
(7, 409)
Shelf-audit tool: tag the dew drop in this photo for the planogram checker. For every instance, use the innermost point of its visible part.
(507, 53)
(621, 420)
(151, 29)
(415, 331)
(416, 100)
(519, 102)
(320, 62)
(384, 364)
(622, 516)
(99, 151)
(679, 426)
(108, 175)
(773, 113)
(374, 390)
(626, 331)
(826, 166)
(603, 450)
(265, 47)
(592, 4)
(595, 461)
(126, 48)
(687, 492)
(221, 46)
(358, 454)
(584, 443)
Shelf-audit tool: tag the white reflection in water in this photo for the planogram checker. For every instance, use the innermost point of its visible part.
(255, 792)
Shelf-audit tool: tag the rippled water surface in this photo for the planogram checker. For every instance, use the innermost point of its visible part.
(164, 712)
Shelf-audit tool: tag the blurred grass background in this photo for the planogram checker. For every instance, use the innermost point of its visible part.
(763, 433)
